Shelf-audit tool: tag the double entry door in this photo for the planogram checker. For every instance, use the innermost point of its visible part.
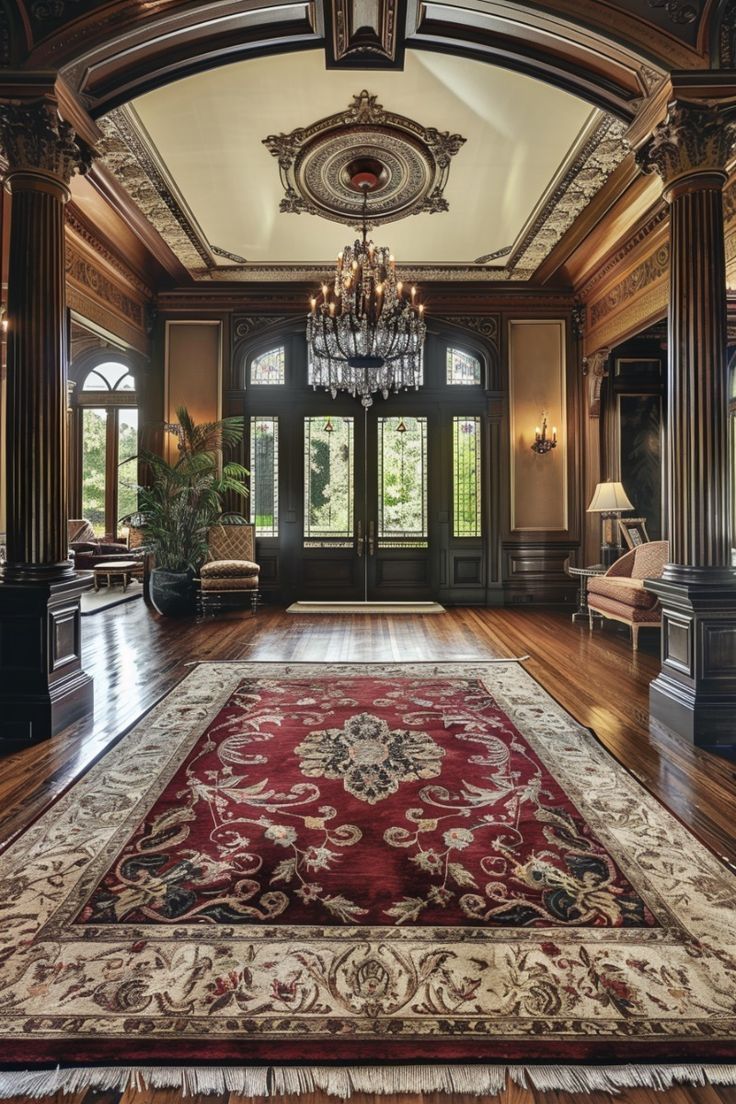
(366, 482)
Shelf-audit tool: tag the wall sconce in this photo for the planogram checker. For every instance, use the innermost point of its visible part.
(542, 443)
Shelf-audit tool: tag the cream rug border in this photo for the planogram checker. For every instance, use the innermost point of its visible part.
(662, 855)
(344, 1082)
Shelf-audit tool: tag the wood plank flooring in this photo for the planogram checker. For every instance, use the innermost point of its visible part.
(136, 657)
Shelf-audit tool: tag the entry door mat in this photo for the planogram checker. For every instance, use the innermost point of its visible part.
(379, 863)
(366, 607)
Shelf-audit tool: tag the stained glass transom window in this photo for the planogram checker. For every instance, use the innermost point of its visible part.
(328, 478)
(402, 481)
(466, 477)
(111, 376)
(269, 368)
(264, 475)
(462, 367)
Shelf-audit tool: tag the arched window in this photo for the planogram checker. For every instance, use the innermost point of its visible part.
(463, 368)
(105, 442)
(111, 376)
(269, 368)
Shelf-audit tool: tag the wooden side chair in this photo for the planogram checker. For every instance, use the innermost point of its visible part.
(230, 577)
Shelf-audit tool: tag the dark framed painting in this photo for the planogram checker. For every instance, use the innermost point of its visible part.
(639, 431)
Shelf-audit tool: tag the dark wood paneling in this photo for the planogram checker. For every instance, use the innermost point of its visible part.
(536, 572)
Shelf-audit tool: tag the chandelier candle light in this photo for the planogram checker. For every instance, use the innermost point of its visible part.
(365, 330)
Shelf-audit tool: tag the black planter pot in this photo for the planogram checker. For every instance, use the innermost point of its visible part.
(173, 593)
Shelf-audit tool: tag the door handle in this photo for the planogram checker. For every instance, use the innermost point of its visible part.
(371, 539)
(359, 547)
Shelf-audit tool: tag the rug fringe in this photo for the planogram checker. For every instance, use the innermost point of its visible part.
(343, 1082)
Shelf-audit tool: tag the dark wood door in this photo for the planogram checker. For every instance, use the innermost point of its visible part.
(385, 504)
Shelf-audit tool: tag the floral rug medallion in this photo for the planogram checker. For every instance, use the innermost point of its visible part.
(380, 861)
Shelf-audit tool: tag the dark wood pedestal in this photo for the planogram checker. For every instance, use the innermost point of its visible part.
(42, 685)
(694, 694)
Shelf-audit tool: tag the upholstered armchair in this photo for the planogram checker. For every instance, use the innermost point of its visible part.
(88, 549)
(620, 593)
(230, 576)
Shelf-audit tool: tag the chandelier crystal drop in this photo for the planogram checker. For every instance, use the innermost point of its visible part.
(365, 330)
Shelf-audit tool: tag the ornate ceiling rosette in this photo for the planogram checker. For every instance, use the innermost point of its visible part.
(315, 163)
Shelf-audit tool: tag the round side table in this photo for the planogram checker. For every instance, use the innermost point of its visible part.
(584, 573)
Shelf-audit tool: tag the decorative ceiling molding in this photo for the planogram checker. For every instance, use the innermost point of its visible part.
(125, 150)
(647, 272)
(677, 11)
(363, 37)
(228, 256)
(79, 225)
(493, 256)
(314, 161)
(315, 273)
(129, 154)
(614, 259)
(589, 167)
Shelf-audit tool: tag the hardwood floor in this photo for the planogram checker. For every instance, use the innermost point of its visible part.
(136, 657)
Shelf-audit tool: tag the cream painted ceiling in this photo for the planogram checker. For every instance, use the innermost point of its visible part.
(207, 130)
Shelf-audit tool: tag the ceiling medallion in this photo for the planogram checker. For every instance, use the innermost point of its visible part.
(315, 161)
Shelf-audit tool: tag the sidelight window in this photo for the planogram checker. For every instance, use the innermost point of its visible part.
(264, 475)
(466, 477)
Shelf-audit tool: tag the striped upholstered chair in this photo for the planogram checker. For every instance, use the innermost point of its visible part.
(621, 595)
(230, 576)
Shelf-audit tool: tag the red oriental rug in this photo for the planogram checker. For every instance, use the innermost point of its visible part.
(417, 863)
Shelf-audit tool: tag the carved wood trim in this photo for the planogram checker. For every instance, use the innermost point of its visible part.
(595, 368)
(632, 289)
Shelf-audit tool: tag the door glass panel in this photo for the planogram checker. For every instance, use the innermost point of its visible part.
(127, 467)
(466, 490)
(264, 476)
(328, 479)
(402, 482)
(94, 459)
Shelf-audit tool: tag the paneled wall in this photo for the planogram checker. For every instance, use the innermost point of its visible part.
(193, 369)
(537, 387)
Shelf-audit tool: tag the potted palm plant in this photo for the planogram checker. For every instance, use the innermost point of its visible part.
(182, 499)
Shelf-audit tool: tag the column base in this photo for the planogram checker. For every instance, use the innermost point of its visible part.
(42, 685)
(694, 695)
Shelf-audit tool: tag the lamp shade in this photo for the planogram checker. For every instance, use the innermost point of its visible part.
(609, 498)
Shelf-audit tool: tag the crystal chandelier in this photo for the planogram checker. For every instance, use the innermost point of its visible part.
(365, 334)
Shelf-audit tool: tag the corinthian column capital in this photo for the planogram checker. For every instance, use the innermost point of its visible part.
(37, 142)
(694, 140)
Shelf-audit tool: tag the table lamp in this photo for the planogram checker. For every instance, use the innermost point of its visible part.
(609, 500)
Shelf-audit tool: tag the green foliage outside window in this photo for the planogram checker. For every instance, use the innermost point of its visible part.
(94, 455)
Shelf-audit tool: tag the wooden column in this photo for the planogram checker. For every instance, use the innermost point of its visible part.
(695, 693)
(42, 685)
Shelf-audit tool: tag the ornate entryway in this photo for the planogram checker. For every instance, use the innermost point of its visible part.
(388, 503)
